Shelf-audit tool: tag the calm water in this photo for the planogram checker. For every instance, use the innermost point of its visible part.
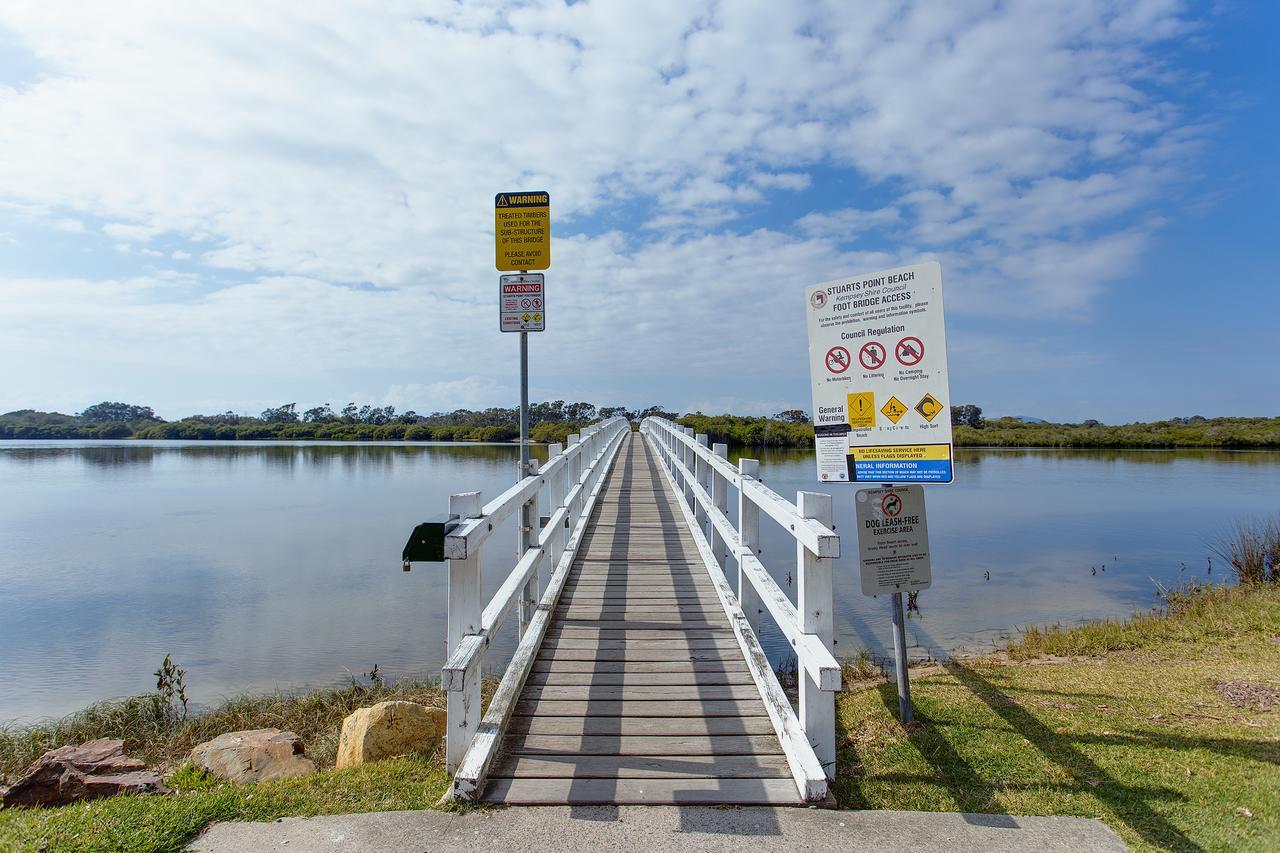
(263, 565)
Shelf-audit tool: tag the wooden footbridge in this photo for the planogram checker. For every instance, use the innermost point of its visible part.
(639, 676)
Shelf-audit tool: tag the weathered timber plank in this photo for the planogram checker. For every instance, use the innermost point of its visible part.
(646, 597)
(643, 791)
(647, 679)
(647, 624)
(639, 666)
(651, 726)
(591, 630)
(625, 692)
(642, 767)
(551, 653)
(673, 644)
(640, 708)
(642, 745)
(694, 611)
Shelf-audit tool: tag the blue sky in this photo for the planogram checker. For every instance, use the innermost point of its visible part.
(231, 206)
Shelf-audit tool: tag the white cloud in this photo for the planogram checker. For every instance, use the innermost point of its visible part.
(1021, 143)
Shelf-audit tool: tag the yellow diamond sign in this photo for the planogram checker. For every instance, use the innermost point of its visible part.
(862, 410)
(894, 409)
(928, 407)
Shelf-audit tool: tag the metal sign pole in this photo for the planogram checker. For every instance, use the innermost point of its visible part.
(900, 660)
(526, 512)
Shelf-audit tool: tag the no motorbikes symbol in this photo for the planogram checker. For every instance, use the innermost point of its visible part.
(872, 356)
(838, 359)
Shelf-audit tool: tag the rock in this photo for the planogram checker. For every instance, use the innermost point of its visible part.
(389, 729)
(70, 774)
(259, 755)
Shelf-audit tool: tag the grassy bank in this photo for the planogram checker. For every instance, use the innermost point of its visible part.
(1166, 727)
(169, 822)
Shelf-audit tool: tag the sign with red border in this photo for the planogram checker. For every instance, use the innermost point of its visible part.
(909, 351)
(872, 355)
(838, 359)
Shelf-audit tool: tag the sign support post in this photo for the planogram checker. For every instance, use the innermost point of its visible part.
(529, 510)
(900, 661)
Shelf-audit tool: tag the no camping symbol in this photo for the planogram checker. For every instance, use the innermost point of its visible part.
(838, 359)
(872, 355)
(909, 351)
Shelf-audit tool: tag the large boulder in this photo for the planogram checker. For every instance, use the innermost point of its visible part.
(70, 774)
(259, 755)
(389, 729)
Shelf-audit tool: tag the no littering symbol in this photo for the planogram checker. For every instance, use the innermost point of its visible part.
(837, 359)
(909, 351)
(872, 355)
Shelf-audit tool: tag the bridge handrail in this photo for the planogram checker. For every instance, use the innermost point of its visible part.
(564, 483)
(702, 475)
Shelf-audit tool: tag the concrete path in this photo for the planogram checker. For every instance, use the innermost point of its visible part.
(601, 828)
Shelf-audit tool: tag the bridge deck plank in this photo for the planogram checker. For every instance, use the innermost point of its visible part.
(640, 693)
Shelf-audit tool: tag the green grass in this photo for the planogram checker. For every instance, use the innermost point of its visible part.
(1115, 720)
(316, 717)
(1137, 735)
(170, 822)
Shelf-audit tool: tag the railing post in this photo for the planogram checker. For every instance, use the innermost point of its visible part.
(575, 474)
(555, 499)
(700, 469)
(528, 538)
(749, 539)
(687, 457)
(814, 604)
(720, 499)
(464, 618)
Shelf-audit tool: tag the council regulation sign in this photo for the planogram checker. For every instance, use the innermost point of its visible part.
(878, 365)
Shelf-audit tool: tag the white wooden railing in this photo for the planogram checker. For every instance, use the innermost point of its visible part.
(702, 476)
(567, 486)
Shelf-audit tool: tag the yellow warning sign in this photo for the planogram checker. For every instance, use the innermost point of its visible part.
(522, 231)
(928, 407)
(862, 410)
(894, 409)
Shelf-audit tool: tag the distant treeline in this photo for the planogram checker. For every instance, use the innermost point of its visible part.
(554, 421)
(550, 422)
(793, 429)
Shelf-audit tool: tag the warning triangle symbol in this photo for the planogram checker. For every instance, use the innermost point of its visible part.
(502, 201)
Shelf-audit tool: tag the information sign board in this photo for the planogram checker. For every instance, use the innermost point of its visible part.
(878, 366)
(522, 230)
(893, 540)
(522, 303)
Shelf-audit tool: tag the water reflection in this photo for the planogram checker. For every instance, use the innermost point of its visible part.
(264, 564)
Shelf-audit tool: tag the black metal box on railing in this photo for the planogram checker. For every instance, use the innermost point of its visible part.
(426, 543)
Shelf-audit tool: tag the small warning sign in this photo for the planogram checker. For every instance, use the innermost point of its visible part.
(862, 410)
(928, 407)
(894, 409)
(522, 302)
(522, 230)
